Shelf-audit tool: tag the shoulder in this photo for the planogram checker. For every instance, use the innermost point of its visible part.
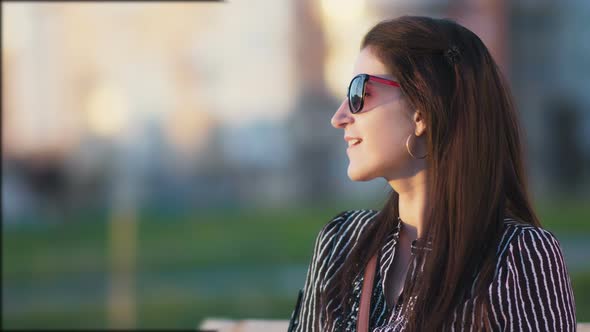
(525, 248)
(332, 242)
(531, 281)
(349, 219)
(345, 224)
(522, 236)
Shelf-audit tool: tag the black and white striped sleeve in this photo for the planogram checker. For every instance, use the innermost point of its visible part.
(307, 314)
(532, 290)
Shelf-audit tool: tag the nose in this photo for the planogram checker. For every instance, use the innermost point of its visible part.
(342, 117)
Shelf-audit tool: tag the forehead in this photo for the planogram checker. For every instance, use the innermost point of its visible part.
(368, 63)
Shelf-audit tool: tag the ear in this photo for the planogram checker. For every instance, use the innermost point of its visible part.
(420, 123)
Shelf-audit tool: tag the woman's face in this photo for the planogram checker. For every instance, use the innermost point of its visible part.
(383, 125)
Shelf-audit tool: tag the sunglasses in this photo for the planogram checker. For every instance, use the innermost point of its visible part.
(357, 87)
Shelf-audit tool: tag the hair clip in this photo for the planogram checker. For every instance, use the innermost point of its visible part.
(453, 55)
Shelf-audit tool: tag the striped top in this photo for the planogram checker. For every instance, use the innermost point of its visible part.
(531, 289)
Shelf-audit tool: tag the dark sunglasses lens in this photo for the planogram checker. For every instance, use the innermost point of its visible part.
(355, 96)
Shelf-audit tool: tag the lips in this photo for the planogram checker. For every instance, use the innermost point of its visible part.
(352, 141)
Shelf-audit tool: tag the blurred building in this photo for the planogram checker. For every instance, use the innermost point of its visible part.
(550, 50)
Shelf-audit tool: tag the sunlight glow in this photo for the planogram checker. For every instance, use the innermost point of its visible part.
(343, 10)
(107, 111)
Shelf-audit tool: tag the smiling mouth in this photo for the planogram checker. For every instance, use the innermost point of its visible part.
(354, 142)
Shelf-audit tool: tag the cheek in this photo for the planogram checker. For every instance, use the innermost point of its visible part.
(387, 147)
(386, 143)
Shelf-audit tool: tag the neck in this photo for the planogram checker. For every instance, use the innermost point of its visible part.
(412, 202)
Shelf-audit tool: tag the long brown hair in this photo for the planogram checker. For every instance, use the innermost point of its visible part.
(475, 167)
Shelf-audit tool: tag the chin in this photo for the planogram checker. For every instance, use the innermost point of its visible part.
(359, 175)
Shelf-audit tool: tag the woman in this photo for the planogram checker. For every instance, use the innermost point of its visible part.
(458, 244)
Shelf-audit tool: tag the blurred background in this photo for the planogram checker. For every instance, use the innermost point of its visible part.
(163, 163)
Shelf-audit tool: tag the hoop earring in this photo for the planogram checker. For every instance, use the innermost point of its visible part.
(410, 152)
